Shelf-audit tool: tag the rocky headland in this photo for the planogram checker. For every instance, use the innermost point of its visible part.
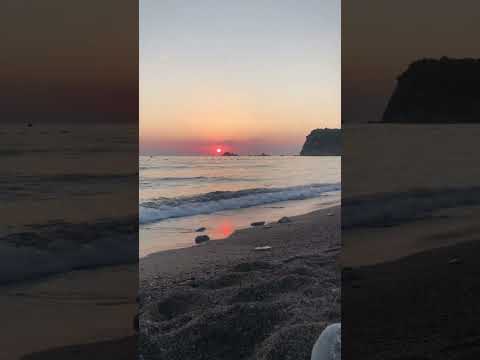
(437, 91)
(323, 142)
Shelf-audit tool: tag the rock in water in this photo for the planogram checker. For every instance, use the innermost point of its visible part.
(201, 229)
(323, 142)
(437, 91)
(258, 223)
(201, 238)
(329, 344)
(284, 220)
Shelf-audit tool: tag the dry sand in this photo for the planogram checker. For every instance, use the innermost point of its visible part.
(424, 306)
(223, 300)
(56, 317)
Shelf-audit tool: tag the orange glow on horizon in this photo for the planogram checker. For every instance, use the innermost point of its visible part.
(219, 150)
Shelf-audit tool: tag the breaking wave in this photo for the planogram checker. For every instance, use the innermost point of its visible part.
(165, 208)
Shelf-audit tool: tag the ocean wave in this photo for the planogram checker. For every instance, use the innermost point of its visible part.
(161, 209)
(389, 209)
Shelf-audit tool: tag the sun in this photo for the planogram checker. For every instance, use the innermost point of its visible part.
(219, 150)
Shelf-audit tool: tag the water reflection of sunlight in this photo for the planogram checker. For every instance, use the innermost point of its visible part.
(225, 228)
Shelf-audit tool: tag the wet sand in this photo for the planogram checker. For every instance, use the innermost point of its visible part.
(366, 246)
(223, 300)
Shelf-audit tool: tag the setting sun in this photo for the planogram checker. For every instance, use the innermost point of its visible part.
(219, 150)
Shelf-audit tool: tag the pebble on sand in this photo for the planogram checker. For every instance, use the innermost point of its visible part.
(258, 223)
(263, 248)
(201, 229)
(201, 238)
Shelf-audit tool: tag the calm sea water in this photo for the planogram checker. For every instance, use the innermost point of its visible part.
(180, 194)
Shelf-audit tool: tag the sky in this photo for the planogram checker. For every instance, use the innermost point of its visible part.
(69, 61)
(380, 40)
(246, 76)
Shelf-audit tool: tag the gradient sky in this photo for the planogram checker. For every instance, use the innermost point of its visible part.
(380, 40)
(69, 61)
(249, 76)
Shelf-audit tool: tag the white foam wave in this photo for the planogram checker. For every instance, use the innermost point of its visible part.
(162, 209)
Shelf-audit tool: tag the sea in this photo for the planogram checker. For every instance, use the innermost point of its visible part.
(180, 194)
(68, 196)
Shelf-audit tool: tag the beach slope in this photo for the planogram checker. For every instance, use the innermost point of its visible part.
(225, 300)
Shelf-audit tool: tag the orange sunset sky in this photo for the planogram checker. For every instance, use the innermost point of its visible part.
(245, 76)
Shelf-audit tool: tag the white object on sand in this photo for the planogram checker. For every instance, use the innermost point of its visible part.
(262, 248)
(329, 344)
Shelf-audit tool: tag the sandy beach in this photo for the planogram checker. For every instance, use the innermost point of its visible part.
(224, 300)
(416, 285)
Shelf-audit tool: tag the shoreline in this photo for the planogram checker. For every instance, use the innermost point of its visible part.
(261, 303)
(269, 222)
(442, 227)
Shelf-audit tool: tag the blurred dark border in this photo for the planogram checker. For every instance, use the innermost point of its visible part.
(69, 179)
(410, 203)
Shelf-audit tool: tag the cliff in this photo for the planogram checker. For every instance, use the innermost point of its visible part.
(437, 91)
(323, 142)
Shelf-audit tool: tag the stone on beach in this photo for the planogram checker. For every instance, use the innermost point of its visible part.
(201, 229)
(455, 261)
(201, 238)
(258, 223)
(262, 248)
(284, 220)
(328, 345)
